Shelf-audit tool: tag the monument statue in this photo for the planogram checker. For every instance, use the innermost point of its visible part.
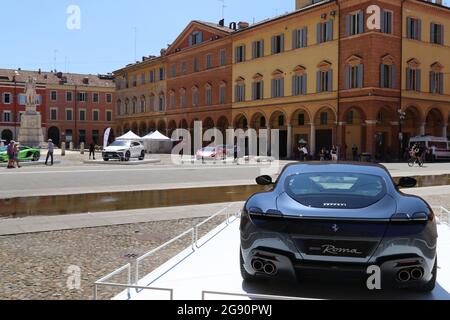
(30, 132)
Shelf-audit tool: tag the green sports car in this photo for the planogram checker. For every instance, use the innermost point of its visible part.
(25, 154)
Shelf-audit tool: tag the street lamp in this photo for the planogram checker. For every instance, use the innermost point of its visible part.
(402, 117)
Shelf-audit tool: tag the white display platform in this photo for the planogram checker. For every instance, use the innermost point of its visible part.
(214, 267)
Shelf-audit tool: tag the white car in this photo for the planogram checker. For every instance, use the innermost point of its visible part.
(124, 151)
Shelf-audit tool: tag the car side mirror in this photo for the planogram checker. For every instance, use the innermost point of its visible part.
(407, 182)
(264, 180)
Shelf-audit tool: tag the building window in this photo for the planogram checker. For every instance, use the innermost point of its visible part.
(95, 98)
(162, 74)
(183, 68)
(258, 49)
(239, 55)
(82, 136)
(95, 135)
(196, 65)
(194, 97)
(437, 33)
(69, 116)
(350, 117)
(300, 38)
(278, 88)
(134, 80)
(82, 96)
(223, 57)
(436, 82)
(53, 96)
(325, 31)
(22, 99)
(240, 92)
(195, 38)
(323, 118)
(142, 78)
(152, 76)
(413, 28)
(161, 103)
(95, 115)
(281, 121)
(324, 81)
(119, 107)
(108, 98)
(208, 61)
(182, 99)
(172, 70)
(69, 96)
(354, 76)
(222, 94)
(126, 106)
(278, 44)
(301, 119)
(299, 85)
(386, 21)
(133, 106)
(108, 116)
(7, 98)
(258, 90)
(208, 95)
(143, 105)
(413, 79)
(6, 116)
(54, 114)
(172, 101)
(355, 23)
(82, 115)
(387, 76)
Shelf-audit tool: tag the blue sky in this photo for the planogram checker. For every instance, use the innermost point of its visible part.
(33, 29)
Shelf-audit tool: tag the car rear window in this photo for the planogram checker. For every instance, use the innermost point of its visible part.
(352, 190)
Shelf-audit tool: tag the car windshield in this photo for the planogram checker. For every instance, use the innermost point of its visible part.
(120, 144)
(351, 190)
(209, 149)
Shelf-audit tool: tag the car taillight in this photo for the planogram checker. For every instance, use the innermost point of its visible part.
(416, 217)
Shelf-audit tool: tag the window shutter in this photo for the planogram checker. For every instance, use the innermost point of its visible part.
(360, 76)
(262, 90)
(382, 75)
(419, 29)
(254, 91)
(330, 80)
(273, 88)
(318, 84)
(393, 76)
(294, 85)
(261, 44)
(236, 54)
(305, 37)
(282, 87)
(347, 77)
(432, 83)
(361, 22)
(442, 34)
(408, 28)
(383, 21)
(282, 43)
(432, 32)
(273, 45)
(303, 78)
(190, 40)
(254, 43)
(408, 79)
(347, 25)
(200, 37)
(295, 39)
(419, 79)
(441, 83)
(243, 53)
(330, 30)
(319, 33)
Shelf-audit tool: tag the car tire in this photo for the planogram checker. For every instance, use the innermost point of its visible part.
(127, 156)
(36, 157)
(142, 157)
(429, 287)
(245, 275)
(105, 159)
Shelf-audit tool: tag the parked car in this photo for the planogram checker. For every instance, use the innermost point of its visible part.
(25, 154)
(339, 218)
(212, 153)
(124, 151)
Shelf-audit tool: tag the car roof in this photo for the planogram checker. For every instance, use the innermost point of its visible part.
(340, 166)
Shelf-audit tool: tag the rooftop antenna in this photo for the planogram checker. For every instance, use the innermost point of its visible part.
(54, 58)
(135, 44)
(223, 8)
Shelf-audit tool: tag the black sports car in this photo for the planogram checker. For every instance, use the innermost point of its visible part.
(339, 217)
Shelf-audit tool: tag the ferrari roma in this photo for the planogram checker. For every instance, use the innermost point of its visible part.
(25, 154)
(339, 218)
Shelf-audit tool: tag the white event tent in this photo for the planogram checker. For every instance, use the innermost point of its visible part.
(130, 135)
(156, 142)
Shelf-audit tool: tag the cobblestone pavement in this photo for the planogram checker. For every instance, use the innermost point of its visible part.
(35, 266)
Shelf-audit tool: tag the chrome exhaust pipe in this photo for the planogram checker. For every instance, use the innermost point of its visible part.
(404, 275)
(257, 265)
(269, 268)
(417, 273)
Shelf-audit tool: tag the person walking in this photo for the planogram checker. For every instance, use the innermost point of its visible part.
(16, 155)
(51, 148)
(10, 152)
(92, 151)
(334, 154)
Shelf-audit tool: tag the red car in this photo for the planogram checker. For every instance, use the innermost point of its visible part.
(214, 153)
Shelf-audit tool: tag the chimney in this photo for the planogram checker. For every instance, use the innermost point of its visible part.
(243, 25)
(86, 80)
(39, 71)
(59, 75)
(222, 23)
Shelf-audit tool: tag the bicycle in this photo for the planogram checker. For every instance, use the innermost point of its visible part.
(413, 160)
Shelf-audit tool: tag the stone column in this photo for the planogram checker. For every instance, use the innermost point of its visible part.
(312, 139)
(289, 141)
(82, 148)
(395, 136)
(340, 140)
(63, 149)
(422, 129)
(370, 137)
(269, 141)
(444, 130)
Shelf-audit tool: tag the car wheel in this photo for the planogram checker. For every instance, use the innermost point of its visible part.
(245, 275)
(432, 283)
(142, 157)
(127, 156)
(36, 157)
(105, 159)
